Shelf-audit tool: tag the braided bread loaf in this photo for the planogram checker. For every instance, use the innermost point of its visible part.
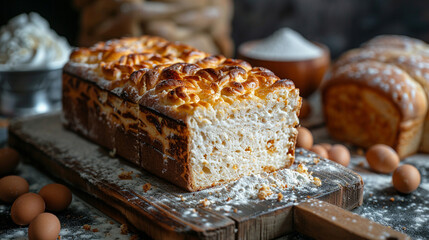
(379, 94)
(192, 118)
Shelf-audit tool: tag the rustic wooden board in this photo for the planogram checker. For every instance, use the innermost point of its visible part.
(165, 211)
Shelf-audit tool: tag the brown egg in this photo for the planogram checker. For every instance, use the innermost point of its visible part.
(305, 109)
(406, 178)
(339, 154)
(382, 158)
(45, 226)
(327, 146)
(319, 150)
(304, 139)
(9, 159)
(11, 187)
(26, 208)
(57, 196)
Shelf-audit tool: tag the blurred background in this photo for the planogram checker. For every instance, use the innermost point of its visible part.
(221, 25)
(214, 26)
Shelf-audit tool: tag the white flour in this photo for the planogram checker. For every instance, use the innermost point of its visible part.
(284, 44)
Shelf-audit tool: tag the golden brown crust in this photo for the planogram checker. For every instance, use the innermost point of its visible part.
(416, 65)
(169, 77)
(388, 80)
(396, 42)
(388, 69)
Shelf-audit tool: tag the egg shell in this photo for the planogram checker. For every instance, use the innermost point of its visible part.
(319, 150)
(11, 187)
(382, 158)
(304, 139)
(327, 146)
(9, 160)
(406, 178)
(26, 208)
(57, 196)
(45, 226)
(339, 154)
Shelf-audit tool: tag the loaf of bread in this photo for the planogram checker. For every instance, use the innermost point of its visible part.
(194, 119)
(379, 94)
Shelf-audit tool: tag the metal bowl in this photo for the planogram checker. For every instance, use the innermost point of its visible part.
(29, 92)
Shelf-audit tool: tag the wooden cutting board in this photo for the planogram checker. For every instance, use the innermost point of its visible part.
(167, 212)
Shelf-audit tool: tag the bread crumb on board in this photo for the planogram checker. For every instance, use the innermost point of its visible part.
(125, 175)
(124, 229)
(302, 169)
(205, 202)
(317, 181)
(279, 196)
(147, 187)
(87, 227)
(316, 160)
(264, 192)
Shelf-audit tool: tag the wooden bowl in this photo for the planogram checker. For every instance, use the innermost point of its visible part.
(306, 74)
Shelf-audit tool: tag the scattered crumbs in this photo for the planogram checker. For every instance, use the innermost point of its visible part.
(205, 202)
(124, 229)
(264, 192)
(316, 160)
(370, 194)
(112, 153)
(279, 196)
(95, 230)
(134, 237)
(86, 227)
(392, 199)
(228, 199)
(308, 196)
(360, 152)
(59, 237)
(404, 228)
(235, 210)
(361, 164)
(125, 175)
(317, 181)
(111, 222)
(302, 169)
(274, 174)
(147, 187)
